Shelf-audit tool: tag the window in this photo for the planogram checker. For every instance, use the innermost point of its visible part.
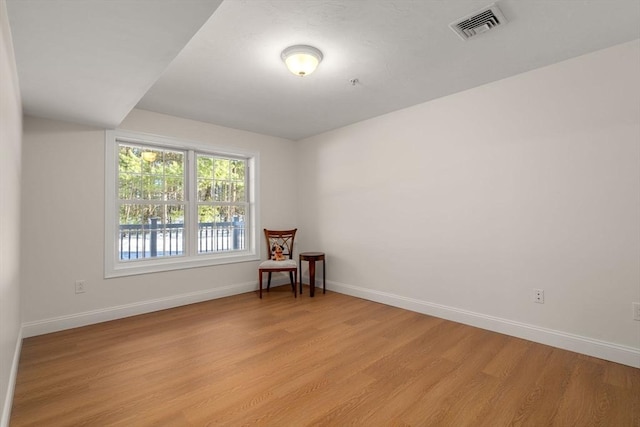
(173, 204)
(151, 202)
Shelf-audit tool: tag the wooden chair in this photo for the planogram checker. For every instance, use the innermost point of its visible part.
(283, 239)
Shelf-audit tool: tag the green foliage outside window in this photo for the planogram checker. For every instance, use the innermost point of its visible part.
(221, 187)
(146, 175)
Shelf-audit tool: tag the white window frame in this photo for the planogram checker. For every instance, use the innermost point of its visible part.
(191, 258)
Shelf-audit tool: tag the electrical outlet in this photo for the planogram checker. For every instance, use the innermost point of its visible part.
(538, 296)
(80, 286)
(636, 310)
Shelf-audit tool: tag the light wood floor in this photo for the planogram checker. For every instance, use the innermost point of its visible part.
(333, 360)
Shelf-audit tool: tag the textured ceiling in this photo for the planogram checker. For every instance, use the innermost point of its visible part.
(230, 73)
(90, 61)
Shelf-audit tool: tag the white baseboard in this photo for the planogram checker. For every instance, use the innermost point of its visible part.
(55, 324)
(8, 400)
(601, 349)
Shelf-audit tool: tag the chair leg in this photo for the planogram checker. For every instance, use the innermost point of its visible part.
(295, 280)
(269, 282)
(260, 281)
(293, 284)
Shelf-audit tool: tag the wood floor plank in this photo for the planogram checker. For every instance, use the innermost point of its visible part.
(331, 360)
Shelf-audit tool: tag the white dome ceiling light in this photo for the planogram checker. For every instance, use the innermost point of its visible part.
(301, 60)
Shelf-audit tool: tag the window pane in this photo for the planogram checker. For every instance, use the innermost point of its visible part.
(150, 231)
(205, 190)
(220, 179)
(237, 170)
(129, 186)
(221, 168)
(150, 173)
(205, 167)
(173, 163)
(175, 189)
(152, 187)
(152, 162)
(237, 192)
(220, 228)
(237, 213)
(221, 193)
(129, 159)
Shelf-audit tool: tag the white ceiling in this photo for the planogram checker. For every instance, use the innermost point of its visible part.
(92, 61)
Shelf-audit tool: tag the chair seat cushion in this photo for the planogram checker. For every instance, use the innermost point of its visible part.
(287, 263)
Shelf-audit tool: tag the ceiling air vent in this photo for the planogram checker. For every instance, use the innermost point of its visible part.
(478, 22)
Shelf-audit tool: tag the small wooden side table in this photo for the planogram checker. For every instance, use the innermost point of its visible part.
(312, 257)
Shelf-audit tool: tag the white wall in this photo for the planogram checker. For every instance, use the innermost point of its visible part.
(10, 163)
(460, 207)
(63, 223)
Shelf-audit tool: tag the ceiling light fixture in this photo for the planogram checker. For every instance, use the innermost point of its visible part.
(301, 60)
(149, 156)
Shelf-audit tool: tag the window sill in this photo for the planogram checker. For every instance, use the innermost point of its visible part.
(179, 263)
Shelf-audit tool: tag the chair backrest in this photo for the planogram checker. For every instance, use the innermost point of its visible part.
(284, 238)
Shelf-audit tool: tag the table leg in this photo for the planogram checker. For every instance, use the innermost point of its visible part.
(312, 277)
(324, 277)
